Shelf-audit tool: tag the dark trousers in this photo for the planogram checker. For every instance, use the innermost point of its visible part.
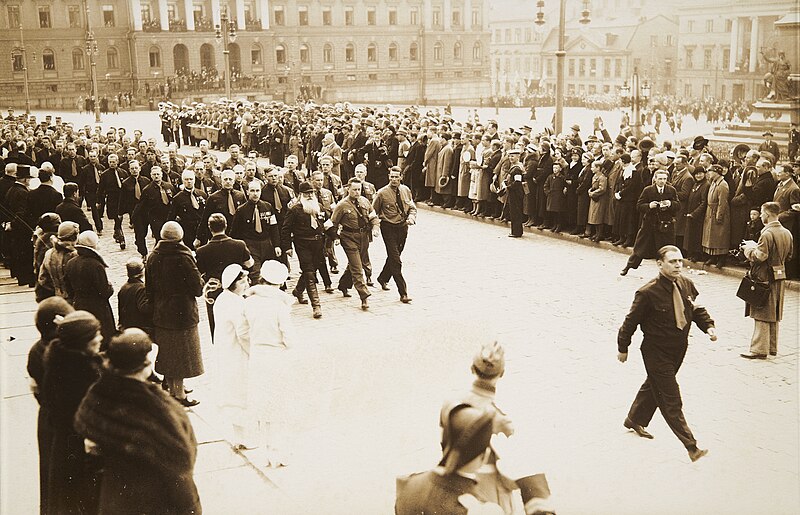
(648, 241)
(353, 244)
(97, 212)
(394, 238)
(22, 256)
(330, 253)
(119, 236)
(139, 234)
(660, 390)
(311, 256)
(260, 250)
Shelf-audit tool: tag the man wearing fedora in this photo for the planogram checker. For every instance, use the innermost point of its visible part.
(20, 226)
(770, 146)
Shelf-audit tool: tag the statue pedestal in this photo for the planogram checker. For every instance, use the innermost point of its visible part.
(776, 117)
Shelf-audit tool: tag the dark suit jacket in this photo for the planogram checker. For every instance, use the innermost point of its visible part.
(87, 182)
(43, 199)
(128, 200)
(70, 211)
(218, 203)
(109, 191)
(652, 217)
(65, 169)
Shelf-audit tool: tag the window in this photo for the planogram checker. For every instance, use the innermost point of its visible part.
(279, 17)
(606, 68)
(438, 75)
(44, 17)
(476, 18)
(477, 51)
(592, 67)
(351, 77)
(728, 25)
(707, 58)
(280, 54)
(77, 59)
(372, 53)
(108, 15)
(498, 36)
(437, 51)
(393, 16)
(326, 16)
(459, 74)
(371, 16)
(48, 59)
(706, 90)
(528, 35)
(508, 36)
(350, 53)
(348, 16)
(413, 52)
(667, 67)
(329, 78)
(517, 35)
(617, 68)
(690, 26)
(606, 88)
(670, 40)
(571, 68)
(582, 67)
(16, 61)
(726, 57)
(457, 51)
(172, 12)
(393, 52)
(436, 17)
(456, 18)
(305, 54)
(52, 88)
(302, 15)
(74, 16)
(155, 57)
(327, 54)
(413, 16)
(654, 41)
(112, 59)
(710, 25)
(14, 19)
(256, 58)
(394, 76)
(147, 15)
(689, 58)
(373, 76)
(592, 89)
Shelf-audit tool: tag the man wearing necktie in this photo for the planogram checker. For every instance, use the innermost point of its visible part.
(664, 308)
(109, 196)
(153, 208)
(326, 202)
(88, 182)
(255, 223)
(226, 201)
(187, 207)
(280, 197)
(132, 188)
(71, 165)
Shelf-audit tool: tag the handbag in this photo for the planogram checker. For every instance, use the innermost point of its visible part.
(755, 293)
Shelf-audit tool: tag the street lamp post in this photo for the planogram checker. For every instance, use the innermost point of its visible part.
(637, 96)
(226, 32)
(23, 53)
(91, 51)
(558, 121)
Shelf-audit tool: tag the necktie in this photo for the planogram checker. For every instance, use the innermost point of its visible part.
(137, 190)
(96, 174)
(401, 207)
(278, 205)
(164, 198)
(195, 205)
(74, 169)
(231, 204)
(119, 182)
(257, 219)
(677, 305)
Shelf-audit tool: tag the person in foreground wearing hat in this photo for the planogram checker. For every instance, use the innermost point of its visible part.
(768, 259)
(44, 235)
(173, 283)
(232, 347)
(48, 313)
(516, 193)
(717, 224)
(453, 487)
(21, 226)
(695, 216)
(664, 308)
(87, 284)
(51, 280)
(267, 313)
(71, 366)
(144, 439)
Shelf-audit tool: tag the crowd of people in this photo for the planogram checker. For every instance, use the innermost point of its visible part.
(228, 231)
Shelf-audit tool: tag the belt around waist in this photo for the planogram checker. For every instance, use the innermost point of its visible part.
(347, 229)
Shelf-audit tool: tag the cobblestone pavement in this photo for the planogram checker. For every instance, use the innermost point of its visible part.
(368, 387)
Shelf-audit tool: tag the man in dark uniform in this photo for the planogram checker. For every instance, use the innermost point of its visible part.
(6, 183)
(88, 181)
(213, 257)
(70, 209)
(516, 194)
(131, 195)
(280, 197)
(326, 203)
(357, 218)
(225, 201)
(153, 208)
(70, 166)
(377, 160)
(275, 145)
(770, 146)
(255, 223)
(109, 192)
(664, 308)
(187, 208)
(794, 142)
(657, 204)
(21, 227)
(45, 198)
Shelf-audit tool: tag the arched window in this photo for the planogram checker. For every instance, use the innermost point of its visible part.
(256, 58)
(112, 59)
(155, 57)
(393, 51)
(477, 51)
(280, 54)
(438, 51)
(180, 58)
(350, 53)
(372, 53)
(48, 59)
(305, 54)
(327, 53)
(413, 52)
(77, 59)
(457, 51)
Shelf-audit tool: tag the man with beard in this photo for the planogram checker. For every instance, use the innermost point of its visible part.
(255, 223)
(132, 188)
(305, 226)
(395, 208)
(187, 208)
(357, 219)
(88, 181)
(153, 208)
(109, 193)
(225, 201)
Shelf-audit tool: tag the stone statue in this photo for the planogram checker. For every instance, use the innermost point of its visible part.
(777, 80)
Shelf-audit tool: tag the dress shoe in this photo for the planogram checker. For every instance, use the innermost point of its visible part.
(370, 283)
(639, 430)
(299, 296)
(773, 353)
(364, 304)
(753, 356)
(329, 289)
(122, 245)
(384, 286)
(334, 270)
(187, 402)
(624, 271)
(317, 312)
(695, 454)
(405, 299)
(187, 391)
(515, 236)
(345, 293)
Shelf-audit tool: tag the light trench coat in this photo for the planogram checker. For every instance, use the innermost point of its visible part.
(232, 349)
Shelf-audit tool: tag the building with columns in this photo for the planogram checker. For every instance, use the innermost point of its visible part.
(720, 47)
(383, 51)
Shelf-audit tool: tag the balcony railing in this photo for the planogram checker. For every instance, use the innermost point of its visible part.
(151, 26)
(177, 25)
(204, 25)
(252, 25)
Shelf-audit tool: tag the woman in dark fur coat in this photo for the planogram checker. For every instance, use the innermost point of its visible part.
(144, 436)
(71, 366)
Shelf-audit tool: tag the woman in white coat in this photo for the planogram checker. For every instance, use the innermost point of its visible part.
(267, 311)
(232, 345)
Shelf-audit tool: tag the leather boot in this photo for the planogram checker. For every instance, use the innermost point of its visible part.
(313, 294)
